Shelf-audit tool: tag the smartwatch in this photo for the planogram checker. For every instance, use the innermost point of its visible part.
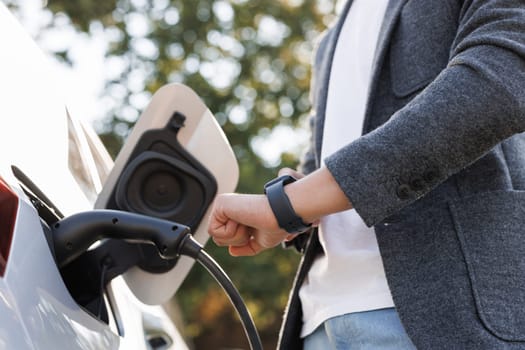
(286, 217)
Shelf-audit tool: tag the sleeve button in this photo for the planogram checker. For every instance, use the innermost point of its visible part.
(430, 175)
(417, 184)
(403, 191)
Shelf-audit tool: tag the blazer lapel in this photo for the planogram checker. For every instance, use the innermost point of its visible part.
(385, 34)
(323, 65)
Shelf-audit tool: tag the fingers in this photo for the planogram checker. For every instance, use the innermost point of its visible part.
(244, 241)
(290, 237)
(225, 230)
(233, 234)
(251, 248)
(236, 219)
(291, 172)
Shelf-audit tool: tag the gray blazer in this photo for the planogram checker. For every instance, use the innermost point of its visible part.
(440, 170)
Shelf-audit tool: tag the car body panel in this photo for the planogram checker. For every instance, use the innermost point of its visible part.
(37, 311)
(39, 298)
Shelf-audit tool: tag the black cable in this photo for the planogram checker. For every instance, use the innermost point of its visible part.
(73, 235)
(193, 249)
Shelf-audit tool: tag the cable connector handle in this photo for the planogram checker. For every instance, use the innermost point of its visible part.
(75, 234)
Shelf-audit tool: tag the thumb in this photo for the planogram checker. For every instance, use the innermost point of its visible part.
(291, 172)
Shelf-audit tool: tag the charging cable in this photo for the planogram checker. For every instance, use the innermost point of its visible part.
(192, 248)
(73, 235)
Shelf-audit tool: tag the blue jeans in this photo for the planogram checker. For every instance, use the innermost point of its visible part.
(369, 330)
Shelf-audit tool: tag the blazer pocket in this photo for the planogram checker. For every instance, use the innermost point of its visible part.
(490, 228)
(420, 46)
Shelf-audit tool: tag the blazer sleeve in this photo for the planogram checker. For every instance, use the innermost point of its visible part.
(476, 102)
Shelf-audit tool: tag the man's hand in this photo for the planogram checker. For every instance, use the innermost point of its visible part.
(245, 223)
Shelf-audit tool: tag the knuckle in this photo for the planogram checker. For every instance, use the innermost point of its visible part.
(285, 171)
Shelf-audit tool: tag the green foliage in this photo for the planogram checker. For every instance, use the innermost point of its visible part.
(249, 61)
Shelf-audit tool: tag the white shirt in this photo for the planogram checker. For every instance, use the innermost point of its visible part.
(349, 277)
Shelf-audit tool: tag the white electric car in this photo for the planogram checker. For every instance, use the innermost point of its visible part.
(67, 284)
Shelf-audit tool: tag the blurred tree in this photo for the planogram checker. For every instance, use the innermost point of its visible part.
(249, 61)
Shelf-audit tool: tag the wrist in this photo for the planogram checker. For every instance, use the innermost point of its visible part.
(281, 206)
(317, 195)
(299, 202)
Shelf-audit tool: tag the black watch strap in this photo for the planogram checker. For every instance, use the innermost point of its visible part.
(286, 216)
